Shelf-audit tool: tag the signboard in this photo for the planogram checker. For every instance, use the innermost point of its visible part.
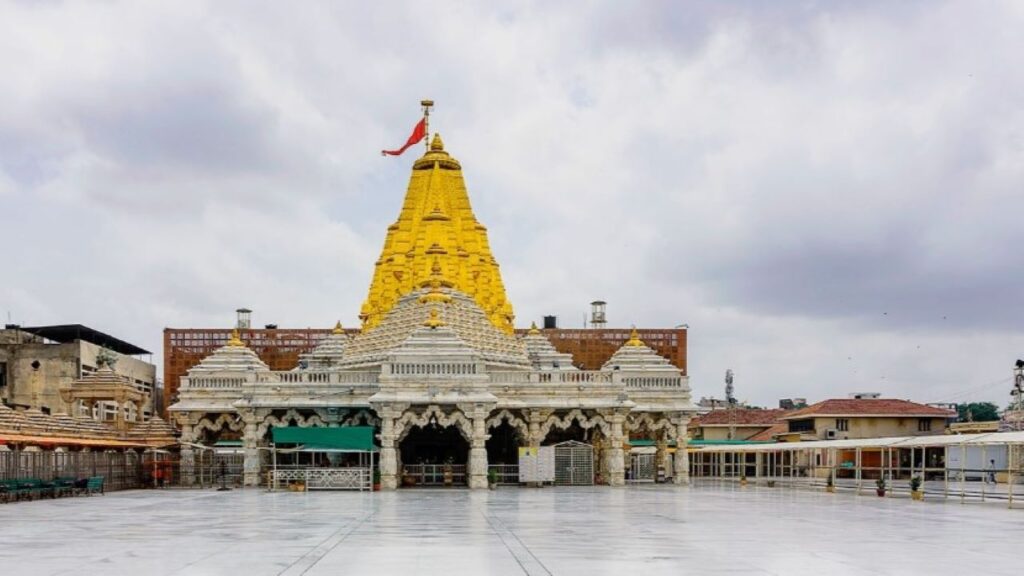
(537, 464)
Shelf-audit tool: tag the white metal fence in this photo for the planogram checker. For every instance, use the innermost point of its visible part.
(324, 478)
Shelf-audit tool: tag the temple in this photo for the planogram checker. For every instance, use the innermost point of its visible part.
(439, 376)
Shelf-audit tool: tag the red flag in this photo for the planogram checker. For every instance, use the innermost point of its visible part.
(418, 133)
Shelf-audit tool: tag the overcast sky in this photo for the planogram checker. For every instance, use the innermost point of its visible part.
(831, 195)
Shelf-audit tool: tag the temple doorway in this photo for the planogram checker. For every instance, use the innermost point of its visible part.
(433, 455)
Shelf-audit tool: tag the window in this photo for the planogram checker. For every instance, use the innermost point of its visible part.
(843, 424)
(801, 425)
(3, 374)
(924, 425)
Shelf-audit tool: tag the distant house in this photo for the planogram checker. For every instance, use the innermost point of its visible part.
(737, 424)
(843, 418)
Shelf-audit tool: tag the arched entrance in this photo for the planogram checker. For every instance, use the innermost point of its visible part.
(503, 445)
(433, 455)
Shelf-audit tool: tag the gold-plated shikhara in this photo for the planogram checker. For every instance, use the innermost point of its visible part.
(437, 242)
(236, 339)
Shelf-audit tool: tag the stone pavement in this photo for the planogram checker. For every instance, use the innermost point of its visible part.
(707, 529)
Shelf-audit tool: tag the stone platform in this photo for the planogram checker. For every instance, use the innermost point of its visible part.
(707, 529)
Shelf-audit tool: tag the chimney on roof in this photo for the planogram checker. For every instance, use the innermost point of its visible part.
(550, 322)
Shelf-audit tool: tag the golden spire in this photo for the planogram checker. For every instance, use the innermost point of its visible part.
(634, 338)
(533, 328)
(437, 237)
(338, 329)
(235, 341)
(434, 320)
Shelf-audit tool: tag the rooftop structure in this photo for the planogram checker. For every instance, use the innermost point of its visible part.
(736, 424)
(841, 418)
(38, 364)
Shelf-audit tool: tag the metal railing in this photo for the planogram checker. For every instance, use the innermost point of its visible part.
(120, 470)
(433, 475)
(354, 478)
(508, 474)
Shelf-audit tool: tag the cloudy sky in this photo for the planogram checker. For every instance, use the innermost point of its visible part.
(831, 195)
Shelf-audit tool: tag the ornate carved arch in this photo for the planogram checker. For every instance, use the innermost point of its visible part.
(410, 419)
(514, 421)
(367, 417)
(644, 420)
(575, 415)
(291, 416)
(229, 420)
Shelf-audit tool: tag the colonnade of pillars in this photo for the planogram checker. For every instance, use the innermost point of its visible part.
(615, 455)
(943, 470)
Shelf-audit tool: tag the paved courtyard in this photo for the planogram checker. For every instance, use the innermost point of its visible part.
(707, 529)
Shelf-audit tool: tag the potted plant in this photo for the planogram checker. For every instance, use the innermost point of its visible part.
(915, 488)
(376, 479)
(492, 478)
(743, 480)
(408, 480)
(771, 483)
(880, 487)
(830, 483)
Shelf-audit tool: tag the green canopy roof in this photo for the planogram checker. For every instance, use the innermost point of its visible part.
(340, 439)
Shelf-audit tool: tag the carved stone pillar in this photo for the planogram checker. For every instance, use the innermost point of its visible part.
(536, 418)
(616, 456)
(478, 454)
(253, 463)
(187, 465)
(661, 454)
(388, 453)
(681, 474)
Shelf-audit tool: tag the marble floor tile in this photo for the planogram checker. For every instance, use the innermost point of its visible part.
(709, 528)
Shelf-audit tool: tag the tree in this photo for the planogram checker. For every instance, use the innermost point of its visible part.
(977, 412)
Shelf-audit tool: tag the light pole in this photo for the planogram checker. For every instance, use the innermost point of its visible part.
(1018, 393)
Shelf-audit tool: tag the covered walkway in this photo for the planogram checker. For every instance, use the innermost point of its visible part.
(968, 467)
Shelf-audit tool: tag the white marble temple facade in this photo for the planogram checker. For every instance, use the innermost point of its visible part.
(437, 357)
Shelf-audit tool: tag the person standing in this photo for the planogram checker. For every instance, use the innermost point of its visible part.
(990, 472)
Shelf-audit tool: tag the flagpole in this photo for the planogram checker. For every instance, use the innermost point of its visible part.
(427, 104)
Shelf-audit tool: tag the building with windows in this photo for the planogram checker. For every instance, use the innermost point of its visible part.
(853, 418)
(438, 370)
(40, 365)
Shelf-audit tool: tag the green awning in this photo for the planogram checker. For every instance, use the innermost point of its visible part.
(643, 443)
(340, 439)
